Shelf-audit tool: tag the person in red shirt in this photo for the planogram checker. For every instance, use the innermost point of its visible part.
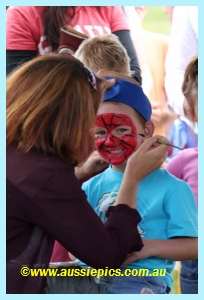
(35, 30)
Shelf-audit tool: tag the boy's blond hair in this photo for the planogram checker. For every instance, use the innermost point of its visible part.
(104, 52)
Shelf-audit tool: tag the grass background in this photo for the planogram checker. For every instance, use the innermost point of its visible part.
(156, 20)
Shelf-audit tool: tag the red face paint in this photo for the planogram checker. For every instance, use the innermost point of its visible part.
(115, 137)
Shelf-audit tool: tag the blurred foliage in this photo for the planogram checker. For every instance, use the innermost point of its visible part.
(175, 289)
(156, 20)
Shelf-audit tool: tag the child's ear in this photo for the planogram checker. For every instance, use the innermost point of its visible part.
(149, 128)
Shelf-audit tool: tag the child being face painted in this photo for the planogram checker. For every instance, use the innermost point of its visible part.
(124, 113)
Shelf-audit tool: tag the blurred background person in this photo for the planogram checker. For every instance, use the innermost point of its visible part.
(136, 32)
(183, 45)
(185, 166)
(35, 30)
(151, 49)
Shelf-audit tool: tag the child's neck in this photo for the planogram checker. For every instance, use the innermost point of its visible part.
(119, 168)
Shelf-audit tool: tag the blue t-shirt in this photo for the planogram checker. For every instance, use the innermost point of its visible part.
(166, 205)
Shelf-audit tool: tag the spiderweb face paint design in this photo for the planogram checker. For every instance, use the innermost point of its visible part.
(115, 137)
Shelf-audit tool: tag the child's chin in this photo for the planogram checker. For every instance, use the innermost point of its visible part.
(117, 162)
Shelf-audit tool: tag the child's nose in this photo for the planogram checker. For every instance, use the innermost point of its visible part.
(110, 141)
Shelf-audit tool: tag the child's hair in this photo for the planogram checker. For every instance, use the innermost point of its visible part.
(104, 52)
(190, 82)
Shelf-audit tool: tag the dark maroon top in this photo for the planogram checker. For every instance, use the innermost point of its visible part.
(45, 202)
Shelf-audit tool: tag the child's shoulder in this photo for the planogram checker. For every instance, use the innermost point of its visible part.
(162, 174)
(165, 177)
(172, 184)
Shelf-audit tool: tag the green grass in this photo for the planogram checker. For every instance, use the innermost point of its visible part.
(156, 20)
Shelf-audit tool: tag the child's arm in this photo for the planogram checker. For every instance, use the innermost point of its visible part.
(176, 249)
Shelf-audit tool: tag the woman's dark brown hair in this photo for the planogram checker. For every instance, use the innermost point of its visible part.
(54, 18)
(190, 82)
(51, 106)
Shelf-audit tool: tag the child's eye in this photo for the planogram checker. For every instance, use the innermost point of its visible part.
(122, 130)
(100, 133)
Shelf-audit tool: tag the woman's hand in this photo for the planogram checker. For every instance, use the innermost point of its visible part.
(147, 158)
(161, 116)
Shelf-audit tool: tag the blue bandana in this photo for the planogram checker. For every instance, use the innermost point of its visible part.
(130, 94)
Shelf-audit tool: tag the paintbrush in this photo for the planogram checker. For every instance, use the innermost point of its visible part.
(162, 142)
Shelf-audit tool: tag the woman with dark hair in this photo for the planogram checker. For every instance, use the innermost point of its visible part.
(35, 30)
(51, 105)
